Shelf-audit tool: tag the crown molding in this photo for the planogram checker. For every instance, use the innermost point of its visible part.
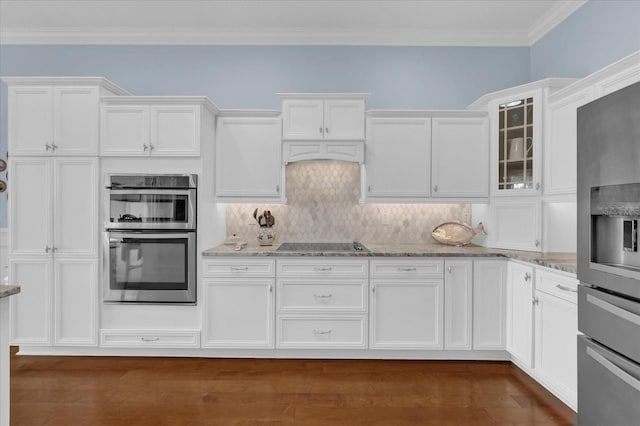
(553, 18)
(258, 36)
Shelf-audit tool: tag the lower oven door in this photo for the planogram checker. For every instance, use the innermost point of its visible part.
(150, 267)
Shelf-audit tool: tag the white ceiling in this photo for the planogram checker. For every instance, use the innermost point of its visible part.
(289, 22)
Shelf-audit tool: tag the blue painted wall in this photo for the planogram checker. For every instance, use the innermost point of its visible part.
(596, 35)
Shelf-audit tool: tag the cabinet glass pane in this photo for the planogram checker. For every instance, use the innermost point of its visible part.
(515, 145)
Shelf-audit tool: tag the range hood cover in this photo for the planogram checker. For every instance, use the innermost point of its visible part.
(293, 151)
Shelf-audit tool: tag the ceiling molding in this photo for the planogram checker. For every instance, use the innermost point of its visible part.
(333, 37)
(553, 18)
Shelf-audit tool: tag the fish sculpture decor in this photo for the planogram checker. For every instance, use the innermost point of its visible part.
(456, 233)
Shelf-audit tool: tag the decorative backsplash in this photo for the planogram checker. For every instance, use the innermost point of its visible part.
(323, 205)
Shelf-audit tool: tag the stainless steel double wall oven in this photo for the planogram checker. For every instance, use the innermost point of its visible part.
(150, 239)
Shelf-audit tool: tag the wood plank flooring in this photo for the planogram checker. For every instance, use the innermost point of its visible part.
(200, 391)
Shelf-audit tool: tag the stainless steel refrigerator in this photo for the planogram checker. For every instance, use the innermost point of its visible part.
(608, 197)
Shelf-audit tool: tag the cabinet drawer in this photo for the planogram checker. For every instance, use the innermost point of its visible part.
(557, 285)
(302, 268)
(407, 268)
(149, 339)
(322, 296)
(238, 268)
(322, 332)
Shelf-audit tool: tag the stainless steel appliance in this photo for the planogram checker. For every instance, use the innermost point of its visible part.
(150, 239)
(608, 259)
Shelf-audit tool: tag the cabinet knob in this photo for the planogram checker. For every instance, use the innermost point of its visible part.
(527, 276)
(326, 130)
(435, 188)
(54, 147)
(278, 189)
(320, 130)
(47, 146)
(535, 301)
(537, 243)
(47, 248)
(449, 268)
(151, 147)
(54, 249)
(150, 339)
(537, 185)
(373, 289)
(144, 147)
(369, 188)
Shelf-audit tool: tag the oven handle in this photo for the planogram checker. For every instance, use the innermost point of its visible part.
(121, 237)
(151, 191)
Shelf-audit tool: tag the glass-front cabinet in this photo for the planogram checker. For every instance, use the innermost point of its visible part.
(516, 140)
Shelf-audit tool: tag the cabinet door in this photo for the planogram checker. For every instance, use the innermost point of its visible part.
(460, 163)
(406, 314)
(489, 304)
(398, 158)
(520, 313)
(31, 311)
(124, 130)
(344, 119)
(248, 157)
(30, 207)
(75, 210)
(556, 330)
(560, 143)
(238, 313)
(75, 302)
(516, 224)
(76, 114)
(30, 116)
(458, 285)
(175, 130)
(302, 119)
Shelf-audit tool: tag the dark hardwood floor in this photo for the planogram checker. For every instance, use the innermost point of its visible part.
(201, 391)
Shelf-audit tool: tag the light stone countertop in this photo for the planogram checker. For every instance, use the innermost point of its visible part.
(8, 290)
(565, 262)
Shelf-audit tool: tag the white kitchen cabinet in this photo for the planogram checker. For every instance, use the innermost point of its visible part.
(248, 156)
(323, 116)
(516, 223)
(238, 313)
(556, 330)
(561, 141)
(322, 303)
(53, 248)
(407, 303)
(489, 304)
(458, 302)
(55, 116)
(460, 156)
(53, 207)
(398, 158)
(154, 126)
(520, 313)
(238, 303)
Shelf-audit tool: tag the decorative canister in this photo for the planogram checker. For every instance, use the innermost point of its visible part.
(266, 236)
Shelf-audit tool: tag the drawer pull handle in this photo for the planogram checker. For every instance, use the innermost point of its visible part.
(527, 276)
(614, 369)
(239, 268)
(565, 288)
(321, 332)
(615, 310)
(322, 268)
(406, 269)
(149, 339)
(323, 296)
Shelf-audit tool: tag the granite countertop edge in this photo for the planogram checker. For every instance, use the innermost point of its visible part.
(8, 290)
(565, 262)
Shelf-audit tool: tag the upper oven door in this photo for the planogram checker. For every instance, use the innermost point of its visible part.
(150, 209)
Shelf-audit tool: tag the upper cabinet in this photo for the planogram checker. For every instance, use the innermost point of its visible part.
(57, 115)
(154, 126)
(323, 116)
(248, 156)
(516, 135)
(442, 154)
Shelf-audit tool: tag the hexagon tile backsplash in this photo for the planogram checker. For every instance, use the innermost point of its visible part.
(323, 205)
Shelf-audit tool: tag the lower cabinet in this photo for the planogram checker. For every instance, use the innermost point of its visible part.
(322, 303)
(556, 330)
(239, 303)
(407, 301)
(489, 304)
(57, 303)
(520, 313)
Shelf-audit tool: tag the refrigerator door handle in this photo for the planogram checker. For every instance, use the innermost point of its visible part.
(614, 369)
(613, 309)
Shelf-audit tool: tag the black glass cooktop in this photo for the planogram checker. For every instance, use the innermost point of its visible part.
(348, 247)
